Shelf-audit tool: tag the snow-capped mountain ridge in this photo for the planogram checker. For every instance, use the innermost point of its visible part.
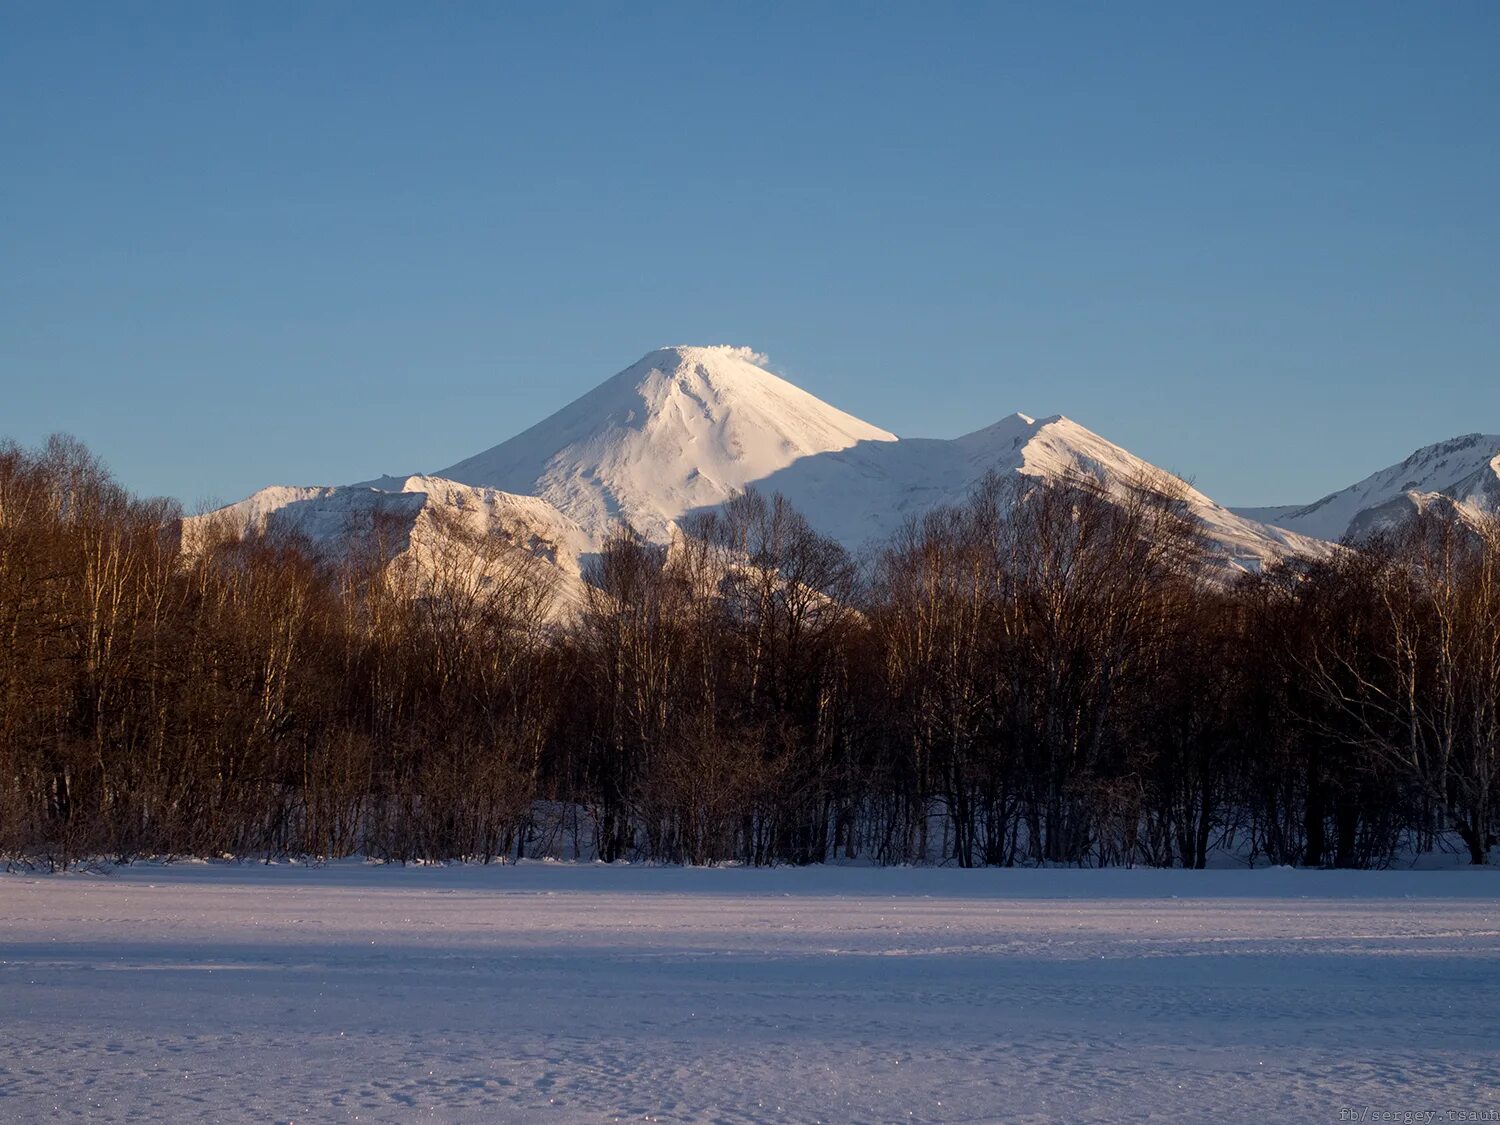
(863, 494)
(1462, 473)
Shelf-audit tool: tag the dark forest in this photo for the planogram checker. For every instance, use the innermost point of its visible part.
(1049, 674)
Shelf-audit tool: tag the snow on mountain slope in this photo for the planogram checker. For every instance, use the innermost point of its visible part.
(405, 515)
(323, 515)
(683, 428)
(1462, 474)
(863, 494)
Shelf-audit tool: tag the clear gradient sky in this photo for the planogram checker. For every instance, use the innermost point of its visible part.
(257, 243)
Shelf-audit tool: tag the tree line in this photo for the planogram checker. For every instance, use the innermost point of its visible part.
(1048, 673)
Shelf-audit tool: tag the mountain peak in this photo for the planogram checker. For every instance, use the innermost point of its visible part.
(714, 363)
(682, 428)
(709, 354)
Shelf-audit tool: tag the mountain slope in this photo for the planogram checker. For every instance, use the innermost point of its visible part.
(1462, 474)
(406, 518)
(863, 494)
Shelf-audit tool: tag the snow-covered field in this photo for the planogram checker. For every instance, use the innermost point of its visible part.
(563, 993)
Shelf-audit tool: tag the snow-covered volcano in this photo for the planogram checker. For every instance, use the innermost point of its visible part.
(681, 429)
(1461, 475)
(685, 429)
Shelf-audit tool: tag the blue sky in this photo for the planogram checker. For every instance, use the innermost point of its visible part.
(309, 243)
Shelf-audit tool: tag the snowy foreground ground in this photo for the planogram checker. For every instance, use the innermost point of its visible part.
(578, 993)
